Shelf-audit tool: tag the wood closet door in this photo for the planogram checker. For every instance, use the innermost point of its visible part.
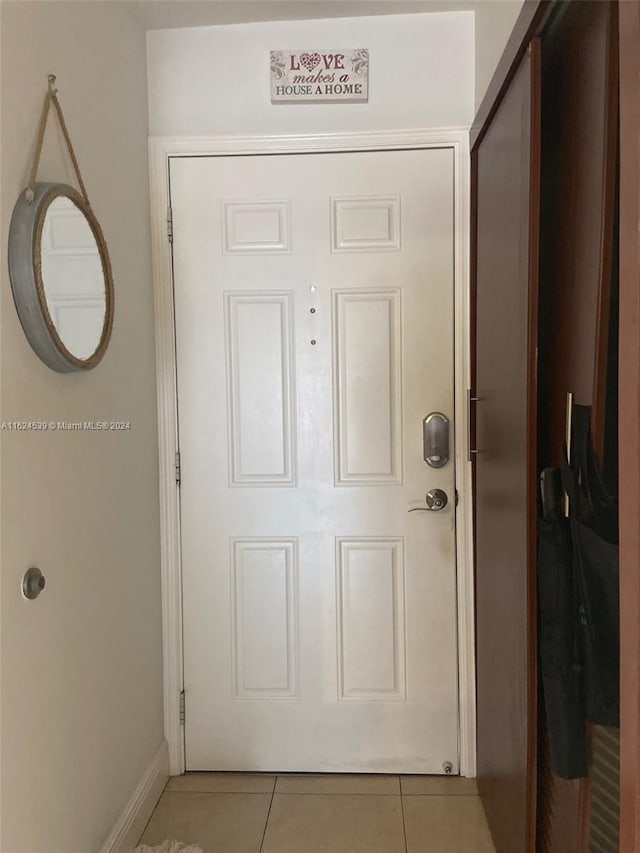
(629, 425)
(506, 205)
(578, 284)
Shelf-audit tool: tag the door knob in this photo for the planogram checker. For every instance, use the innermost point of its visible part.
(435, 499)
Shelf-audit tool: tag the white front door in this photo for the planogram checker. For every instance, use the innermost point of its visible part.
(314, 328)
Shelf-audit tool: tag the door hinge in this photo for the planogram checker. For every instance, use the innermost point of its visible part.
(178, 466)
(170, 224)
(182, 708)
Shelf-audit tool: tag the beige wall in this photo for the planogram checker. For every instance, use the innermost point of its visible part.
(81, 666)
(421, 76)
(494, 20)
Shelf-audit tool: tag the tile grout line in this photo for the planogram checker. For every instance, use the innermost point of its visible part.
(266, 823)
(309, 793)
(404, 825)
(155, 809)
(435, 795)
(333, 794)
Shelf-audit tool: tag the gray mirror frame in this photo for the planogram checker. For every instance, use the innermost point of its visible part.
(25, 273)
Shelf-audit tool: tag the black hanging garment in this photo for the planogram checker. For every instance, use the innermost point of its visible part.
(560, 656)
(593, 519)
(579, 621)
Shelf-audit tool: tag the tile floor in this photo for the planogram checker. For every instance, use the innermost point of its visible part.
(245, 813)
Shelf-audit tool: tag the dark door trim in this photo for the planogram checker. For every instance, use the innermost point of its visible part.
(629, 425)
(529, 23)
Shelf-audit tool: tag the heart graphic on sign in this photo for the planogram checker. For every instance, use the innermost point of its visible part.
(310, 60)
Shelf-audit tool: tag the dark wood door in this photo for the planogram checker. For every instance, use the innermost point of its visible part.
(577, 282)
(579, 154)
(629, 424)
(506, 176)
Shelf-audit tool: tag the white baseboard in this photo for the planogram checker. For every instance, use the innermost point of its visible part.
(124, 836)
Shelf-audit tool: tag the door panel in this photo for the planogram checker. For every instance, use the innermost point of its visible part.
(507, 179)
(261, 438)
(314, 329)
(367, 340)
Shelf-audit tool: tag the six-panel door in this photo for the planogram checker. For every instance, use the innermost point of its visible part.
(314, 327)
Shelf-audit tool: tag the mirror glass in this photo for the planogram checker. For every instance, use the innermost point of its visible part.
(73, 278)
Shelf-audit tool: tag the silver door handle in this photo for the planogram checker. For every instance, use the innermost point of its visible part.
(435, 499)
(471, 399)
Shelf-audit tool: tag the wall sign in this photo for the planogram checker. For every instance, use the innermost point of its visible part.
(338, 76)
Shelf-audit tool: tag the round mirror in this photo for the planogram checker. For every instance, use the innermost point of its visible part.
(61, 277)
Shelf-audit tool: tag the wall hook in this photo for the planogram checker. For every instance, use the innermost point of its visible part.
(52, 84)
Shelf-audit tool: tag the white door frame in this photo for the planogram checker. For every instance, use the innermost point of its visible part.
(161, 149)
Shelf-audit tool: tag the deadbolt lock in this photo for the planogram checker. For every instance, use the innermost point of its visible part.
(435, 440)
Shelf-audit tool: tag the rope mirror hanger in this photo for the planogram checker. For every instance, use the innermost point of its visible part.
(59, 264)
